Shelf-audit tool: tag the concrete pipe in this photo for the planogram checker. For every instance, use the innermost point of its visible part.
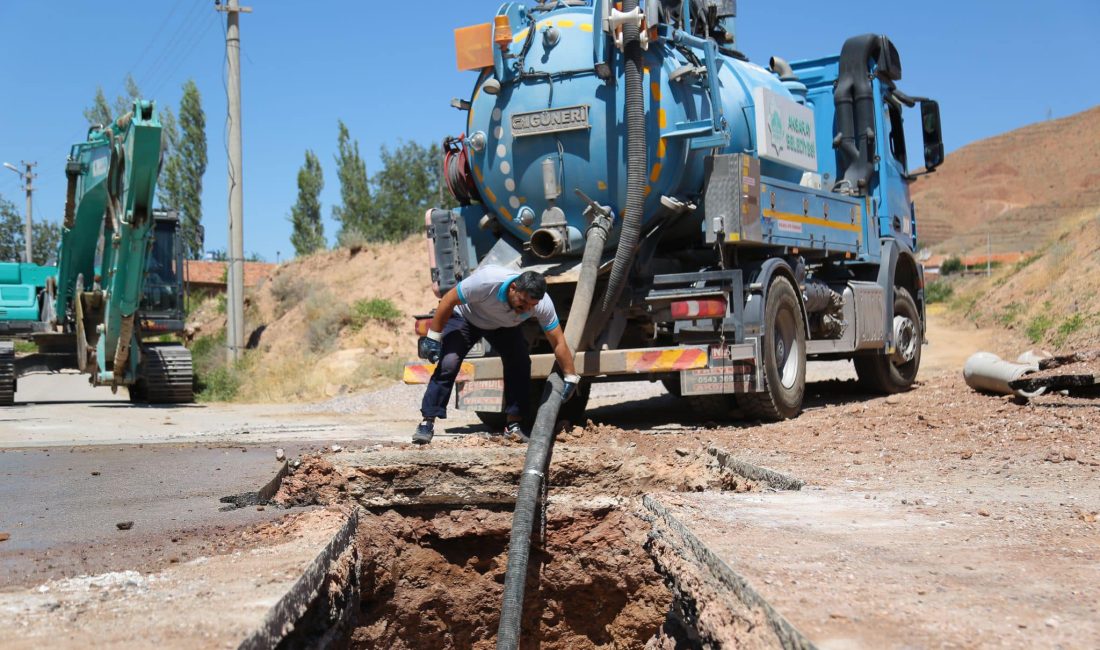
(985, 371)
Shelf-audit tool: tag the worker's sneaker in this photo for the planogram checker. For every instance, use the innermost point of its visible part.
(424, 432)
(515, 431)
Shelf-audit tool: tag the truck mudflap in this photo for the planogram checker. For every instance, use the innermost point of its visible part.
(706, 369)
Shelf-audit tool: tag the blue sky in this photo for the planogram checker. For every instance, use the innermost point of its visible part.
(388, 72)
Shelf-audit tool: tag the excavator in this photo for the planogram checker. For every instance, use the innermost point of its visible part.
(118, 288)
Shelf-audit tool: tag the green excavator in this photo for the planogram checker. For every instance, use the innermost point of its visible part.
(118, 287)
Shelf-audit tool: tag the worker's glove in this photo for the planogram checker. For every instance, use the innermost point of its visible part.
(570, 387)
(431, 346)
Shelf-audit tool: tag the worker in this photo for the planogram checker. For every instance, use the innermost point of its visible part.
(492, 303)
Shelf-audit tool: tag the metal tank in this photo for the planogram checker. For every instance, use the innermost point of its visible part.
(548, 119)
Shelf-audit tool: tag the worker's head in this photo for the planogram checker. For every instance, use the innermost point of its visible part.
(526, 291)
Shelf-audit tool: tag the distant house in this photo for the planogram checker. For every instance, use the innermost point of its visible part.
(210, 277)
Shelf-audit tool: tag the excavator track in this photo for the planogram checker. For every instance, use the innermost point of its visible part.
(7, 373)
(165, 375)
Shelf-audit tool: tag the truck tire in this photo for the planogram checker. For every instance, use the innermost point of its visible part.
(784, 353)
(894, 373)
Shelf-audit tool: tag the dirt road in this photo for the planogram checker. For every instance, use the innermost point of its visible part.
(937, 517)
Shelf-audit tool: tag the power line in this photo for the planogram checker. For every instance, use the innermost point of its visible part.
(187, 26)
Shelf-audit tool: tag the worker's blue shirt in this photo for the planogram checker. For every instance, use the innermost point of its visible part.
(483, 299)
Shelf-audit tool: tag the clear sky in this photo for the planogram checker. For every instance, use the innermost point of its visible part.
(387, 69)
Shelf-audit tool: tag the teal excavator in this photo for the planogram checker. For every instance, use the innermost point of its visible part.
(118, 285)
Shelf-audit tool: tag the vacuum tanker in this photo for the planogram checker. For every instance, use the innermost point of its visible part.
(749, 217)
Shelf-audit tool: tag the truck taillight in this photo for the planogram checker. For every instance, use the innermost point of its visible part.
(708, 308)
(422, 325)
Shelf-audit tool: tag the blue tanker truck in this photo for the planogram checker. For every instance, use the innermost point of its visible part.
(702, 220)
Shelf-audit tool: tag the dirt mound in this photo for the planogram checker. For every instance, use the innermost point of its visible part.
(327, 323)
(1013, 185)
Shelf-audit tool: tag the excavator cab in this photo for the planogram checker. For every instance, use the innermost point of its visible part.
(162, 301)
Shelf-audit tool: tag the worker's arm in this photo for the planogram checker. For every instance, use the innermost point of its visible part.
(443, 312)
(434, 343)
(565, 361)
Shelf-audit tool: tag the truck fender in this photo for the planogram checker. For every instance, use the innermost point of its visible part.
(754, 309)
(898, 267)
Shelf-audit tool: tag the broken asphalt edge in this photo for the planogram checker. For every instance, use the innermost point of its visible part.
(282, 621)
(713, 580)
(773, 479)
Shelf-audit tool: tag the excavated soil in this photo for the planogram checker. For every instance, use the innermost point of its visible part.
(434, 579)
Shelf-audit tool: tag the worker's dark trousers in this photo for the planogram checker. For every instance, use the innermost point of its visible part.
(459, 335)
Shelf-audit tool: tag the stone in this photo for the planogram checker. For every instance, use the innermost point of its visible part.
(967, 455)
(983, 512)
(681, 451)
(5, 537)
(280, 455)
(1054, 456)
(95, 473)
(1069, 454)
(124, 525)
(893, 399)
(337, 449)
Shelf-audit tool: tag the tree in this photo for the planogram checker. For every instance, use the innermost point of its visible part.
(181, 179)
(305, 216)
(45, 234)
(11, 232)
(405, 188)
(100, 112)
(354, 213)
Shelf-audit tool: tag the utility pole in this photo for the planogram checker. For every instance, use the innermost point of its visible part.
(28, 177)
(235, 288)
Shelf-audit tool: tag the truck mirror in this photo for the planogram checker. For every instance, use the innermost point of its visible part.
(933, 134)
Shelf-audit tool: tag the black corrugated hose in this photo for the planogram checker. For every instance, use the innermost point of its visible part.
(542, 434)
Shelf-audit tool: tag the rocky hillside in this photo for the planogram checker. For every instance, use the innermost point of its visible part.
(1018, 186)
(324, 324)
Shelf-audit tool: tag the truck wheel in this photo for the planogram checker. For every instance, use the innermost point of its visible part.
(784, 359)
(894, 373)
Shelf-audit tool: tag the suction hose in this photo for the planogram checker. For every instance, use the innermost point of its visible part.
(542, 435)
(542, 443)
(636, 166)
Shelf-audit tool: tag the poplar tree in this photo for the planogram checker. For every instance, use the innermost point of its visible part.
(184, 169)
(309, 233)
(354, 212)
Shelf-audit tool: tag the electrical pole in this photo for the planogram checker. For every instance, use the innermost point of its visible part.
(28, 177)
(235, 287)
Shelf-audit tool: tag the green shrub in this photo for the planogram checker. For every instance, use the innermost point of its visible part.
(25, 347)
(1038, 327)
(1067, 328)
(1011, 312)
(324, 318)
(288, 290)
(951, 265)
(377, 309)
(352, 239)
(938, 291)
(214, 380)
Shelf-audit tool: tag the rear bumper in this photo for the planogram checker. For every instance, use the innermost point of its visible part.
(605, 363)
